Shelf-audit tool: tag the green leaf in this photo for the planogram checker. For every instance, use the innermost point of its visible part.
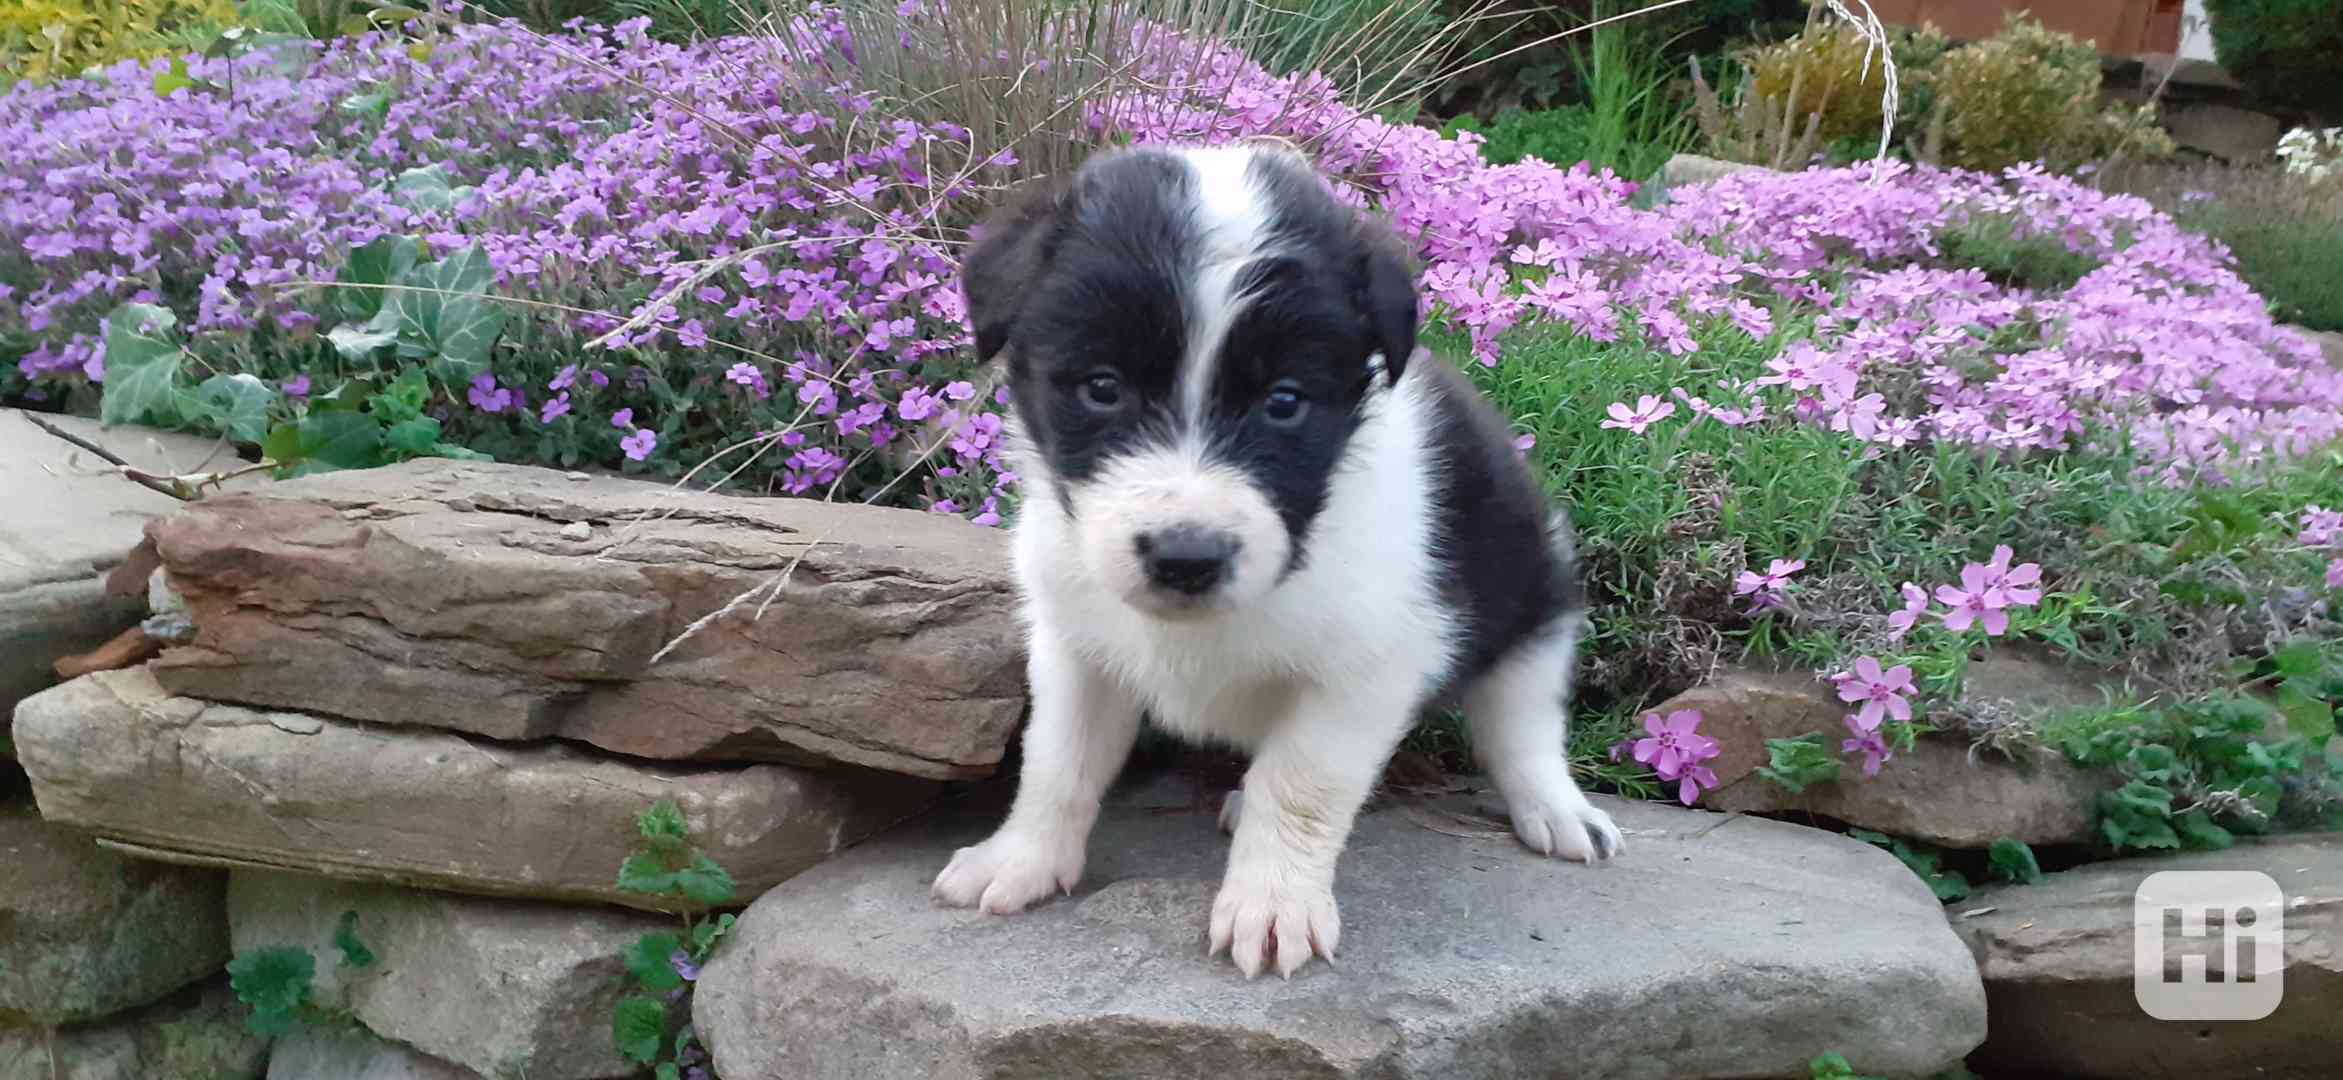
(142, 366)
(1796, 764)
(384, 260)
(649, 961)
(2013, 861)
(173, 78)
(2307, 712)
(359, 342)
(2299, 659)
(443, 309)
(705, 882)
(236, 404)
(645, 873)
(2199, 833)
(663, 825)
(707, 933)
(639, 1027)
(667, 1070)
(426, 189)
(415, 437)
(373, 105)
(275, 983)
(459, 453)
(354, 952)
(342, 440)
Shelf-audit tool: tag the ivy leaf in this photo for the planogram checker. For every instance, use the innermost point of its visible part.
(236, 404)
(2014, 862)
(342, 440)
(639, 1026)
(649, 961)
(444, 309)
(383, 261)
(142, 366)
(359, 342)
(426, 189)
(354, 952)
(706, 934)
(275, 983)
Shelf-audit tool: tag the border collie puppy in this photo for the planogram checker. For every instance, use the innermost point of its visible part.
(1256, 515)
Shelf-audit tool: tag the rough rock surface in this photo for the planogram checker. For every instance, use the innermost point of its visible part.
(453, 594)
(112, 752)
(85, 933)
(198, 1034)
(311, 1054)
(53, 560)
(2227, 132)
(2057, 962)
(1712, 947)
(1935, 792)
(501, 987)
(1695, 169)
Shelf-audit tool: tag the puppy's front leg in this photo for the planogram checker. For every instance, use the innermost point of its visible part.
(1080, 732)
(1308, 780)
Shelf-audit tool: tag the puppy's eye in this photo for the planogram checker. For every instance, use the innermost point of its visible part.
(1284, 405)
(1103, 392)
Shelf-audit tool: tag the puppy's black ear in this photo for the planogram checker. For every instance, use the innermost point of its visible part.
(1011, 249)
(1385, 291)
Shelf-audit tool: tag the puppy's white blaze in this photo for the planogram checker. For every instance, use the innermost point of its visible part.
(1176, 485)
(1362, 611)
(1233, 224)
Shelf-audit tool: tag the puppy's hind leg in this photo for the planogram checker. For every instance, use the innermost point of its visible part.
(1080, 733)
(1518, 715)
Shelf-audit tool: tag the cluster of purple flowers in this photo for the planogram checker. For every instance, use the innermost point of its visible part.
(708, 251)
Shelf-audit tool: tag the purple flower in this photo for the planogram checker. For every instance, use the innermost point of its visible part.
(1915, 604)
(959, 391)
(1882, 693)
(1974, 601)
(567, 378)
(1869, 742)
(639, 445)
(2012, 581)
(1673, 743)
(1766, 589)
(681, 961)
(488, 397)
(296, 387)
(2335, 574)
(623, 419)
(1648, 410)
(2321, 527)
(555, 409)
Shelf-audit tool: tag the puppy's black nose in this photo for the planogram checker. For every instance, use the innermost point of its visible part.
(1187, 559)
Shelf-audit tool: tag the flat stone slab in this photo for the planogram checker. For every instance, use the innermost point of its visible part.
(1712, 947)
(1937, 791)
(500, 987)
(86, 933)
(521, 603)
(308, 1053)
(2057, 961)
(114, 753)
(197, 1034)
(71, 519)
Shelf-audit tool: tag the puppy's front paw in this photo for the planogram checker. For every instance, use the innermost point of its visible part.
(1008, 873)
(1564, 823)
(1273, 915)
(1232, 810)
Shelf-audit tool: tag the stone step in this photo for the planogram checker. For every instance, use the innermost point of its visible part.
(179, 778)
(520, 603)
(1714, 946)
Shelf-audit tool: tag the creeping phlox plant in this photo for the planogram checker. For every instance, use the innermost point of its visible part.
(686, 248)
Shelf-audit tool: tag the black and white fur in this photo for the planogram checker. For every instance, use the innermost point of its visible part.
(1254, 514)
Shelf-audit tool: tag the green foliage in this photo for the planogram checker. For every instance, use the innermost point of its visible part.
(279, 983)
(1991, 244)
(2285, 50)
(2013, 862)
(2289, 249)
(46, 39)
(1834, 1066)
(275, 984)
(1948, 885)
(2198, 773)
(2032, 94)
(651, 1026)
(1795, 764)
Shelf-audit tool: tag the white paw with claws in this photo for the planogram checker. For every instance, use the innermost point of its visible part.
(1010, 872)
(1562, 822)
(1271, 916)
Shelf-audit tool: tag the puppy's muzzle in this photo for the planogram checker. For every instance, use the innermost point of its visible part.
(1187, 560)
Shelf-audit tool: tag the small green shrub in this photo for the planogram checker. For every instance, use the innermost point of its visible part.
(2285, 50)
(2032, 94)
(42, 39)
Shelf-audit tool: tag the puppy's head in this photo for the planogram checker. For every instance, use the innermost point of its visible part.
(1191, 336)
